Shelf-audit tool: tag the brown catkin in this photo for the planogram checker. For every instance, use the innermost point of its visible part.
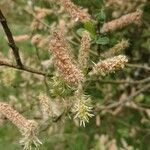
(21, 38)
(75, 11)
(16, 118)
(115, 50)
(123, 21)
(50, 108)
(109, 65)
(45, 106)
(40, 41)
(41, 13)
(84, 50)
(63, 60)
(28, 128)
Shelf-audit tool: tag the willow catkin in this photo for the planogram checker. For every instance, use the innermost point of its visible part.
(84, 50)
(40, 41)
(45, 106)
(27, 127)
(63, 60)
(116, 49)
(120, 7)
(75, 11)
(41, 13)
(16, 118)
(49, 108)
(82, 107)
(21, 38)
(123, 21)
(109, 65)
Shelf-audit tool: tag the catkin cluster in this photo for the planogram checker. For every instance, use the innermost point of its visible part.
(71, 71)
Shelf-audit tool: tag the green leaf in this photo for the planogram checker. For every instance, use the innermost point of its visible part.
(80, 31)
(90, 26)
(102, 40)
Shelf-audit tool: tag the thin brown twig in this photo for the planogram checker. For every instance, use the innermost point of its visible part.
(138, 66)
(25, 68)
(121, 103)
(11, 40)
(125, 81)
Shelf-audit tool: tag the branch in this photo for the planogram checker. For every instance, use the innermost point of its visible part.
(10, 40)
(119, 81)
(121, 103)
(25, 68)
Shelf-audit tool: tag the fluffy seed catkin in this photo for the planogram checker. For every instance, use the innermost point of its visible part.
(63, 60)
(27, 127)
(115, 50)
(84, 50)
(123, 21)
(109, 65)
(75, 11)
(45, 106)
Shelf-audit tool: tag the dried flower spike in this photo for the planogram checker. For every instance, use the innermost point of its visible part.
(109, 65)
(84, 50)
(115, 50)
(40, 41)
(123, 21)
(63, 60)
(28, 128)
(50, 109)
(75, 11)
(45, 106)
(21, 38)
(40, 14)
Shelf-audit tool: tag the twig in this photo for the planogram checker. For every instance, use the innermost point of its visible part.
(121, 103)
(125, 81)
(25, 68)
(120, 81)
(11, 40)
(138, 66)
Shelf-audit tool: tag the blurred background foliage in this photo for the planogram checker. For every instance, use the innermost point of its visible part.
(129, 129)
